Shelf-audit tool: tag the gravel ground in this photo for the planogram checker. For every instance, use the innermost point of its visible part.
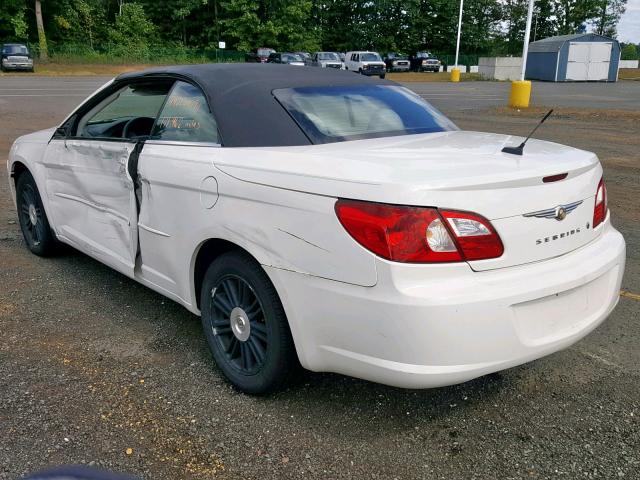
(96, 369)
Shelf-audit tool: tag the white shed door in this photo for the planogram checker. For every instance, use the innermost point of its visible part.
(589, 60)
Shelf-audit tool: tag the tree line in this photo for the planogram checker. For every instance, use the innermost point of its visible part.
(489, 26)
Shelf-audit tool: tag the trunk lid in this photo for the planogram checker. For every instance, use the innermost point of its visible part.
(455, 170)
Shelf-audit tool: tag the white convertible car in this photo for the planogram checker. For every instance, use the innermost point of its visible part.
(319, 218)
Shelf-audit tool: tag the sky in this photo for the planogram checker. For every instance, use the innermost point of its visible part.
(629, 26)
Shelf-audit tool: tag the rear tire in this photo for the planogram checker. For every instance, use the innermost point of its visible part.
(382, 76)
(33, 219)
(246, 326)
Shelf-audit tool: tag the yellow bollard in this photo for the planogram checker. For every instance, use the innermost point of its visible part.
(455, 74)
(520, 94)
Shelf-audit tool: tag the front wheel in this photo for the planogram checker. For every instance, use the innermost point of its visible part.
(245, 325)
(382, 75)
(33, 219)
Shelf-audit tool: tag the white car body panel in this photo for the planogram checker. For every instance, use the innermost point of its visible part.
(351, 312)
(92, 200)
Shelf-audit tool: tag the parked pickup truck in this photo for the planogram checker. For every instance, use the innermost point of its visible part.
(16, 56)
(425, 62)
(396, 62)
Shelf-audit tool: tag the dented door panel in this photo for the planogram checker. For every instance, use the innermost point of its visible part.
(92, 198)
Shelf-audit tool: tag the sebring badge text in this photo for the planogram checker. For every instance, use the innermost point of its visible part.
(559, 236)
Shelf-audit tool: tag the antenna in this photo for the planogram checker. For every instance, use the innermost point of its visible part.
(520, 148)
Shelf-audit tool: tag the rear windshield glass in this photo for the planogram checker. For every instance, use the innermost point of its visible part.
(336, 114)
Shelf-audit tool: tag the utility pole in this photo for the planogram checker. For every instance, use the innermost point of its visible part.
(459, 31)
(521, 89)
(455, 71)
(527, 34)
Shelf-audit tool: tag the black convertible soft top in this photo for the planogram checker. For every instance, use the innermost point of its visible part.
(240, 96)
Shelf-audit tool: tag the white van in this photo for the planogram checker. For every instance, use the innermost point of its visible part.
(365, 63)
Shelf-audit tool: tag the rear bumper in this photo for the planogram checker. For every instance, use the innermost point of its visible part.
(429, 326)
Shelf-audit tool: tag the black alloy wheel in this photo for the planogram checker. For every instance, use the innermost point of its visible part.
(238, 323)
(32, 217)
(246, 326)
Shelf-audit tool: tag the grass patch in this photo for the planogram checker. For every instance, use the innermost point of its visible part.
(65, 69)
(629, 74)
(430, 77)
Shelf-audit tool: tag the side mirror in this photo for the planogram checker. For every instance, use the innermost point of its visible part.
(61, 132)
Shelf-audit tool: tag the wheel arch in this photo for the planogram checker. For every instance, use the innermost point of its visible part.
(210, 249)
(16, 169)
(206, 252)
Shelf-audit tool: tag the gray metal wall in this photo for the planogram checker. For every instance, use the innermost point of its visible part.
(542, 66)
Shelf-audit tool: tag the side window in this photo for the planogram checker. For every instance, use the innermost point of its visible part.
(185, 117)
(357, 57)
(127, 113)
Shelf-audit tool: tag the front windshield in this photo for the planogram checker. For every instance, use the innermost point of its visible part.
(336, 114)
(370, 57)
(291, 57)
(328, 56)
(422, 55)
(264, 52)
(15, 50)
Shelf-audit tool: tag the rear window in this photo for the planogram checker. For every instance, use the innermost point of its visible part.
(336, 114)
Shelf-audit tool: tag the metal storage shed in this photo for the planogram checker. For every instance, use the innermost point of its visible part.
(580, 57)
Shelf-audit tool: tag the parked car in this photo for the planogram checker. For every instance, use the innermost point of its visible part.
(286, 58)
(333, 220)
(424, 62)
(397, 63)
(305, 55)
(259, 55)
(365, 63)
(16, 56)
(326, 60)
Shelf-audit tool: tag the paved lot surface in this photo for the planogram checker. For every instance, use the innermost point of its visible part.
(92, 364)
(448, 96)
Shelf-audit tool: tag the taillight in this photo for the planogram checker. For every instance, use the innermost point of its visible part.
(600, 208)
(419, 234)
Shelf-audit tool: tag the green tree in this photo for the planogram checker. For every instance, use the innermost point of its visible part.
(132, 33)
(610, 12)
(81, 21)
(280, 24)
(13, 23)
(629, 52)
